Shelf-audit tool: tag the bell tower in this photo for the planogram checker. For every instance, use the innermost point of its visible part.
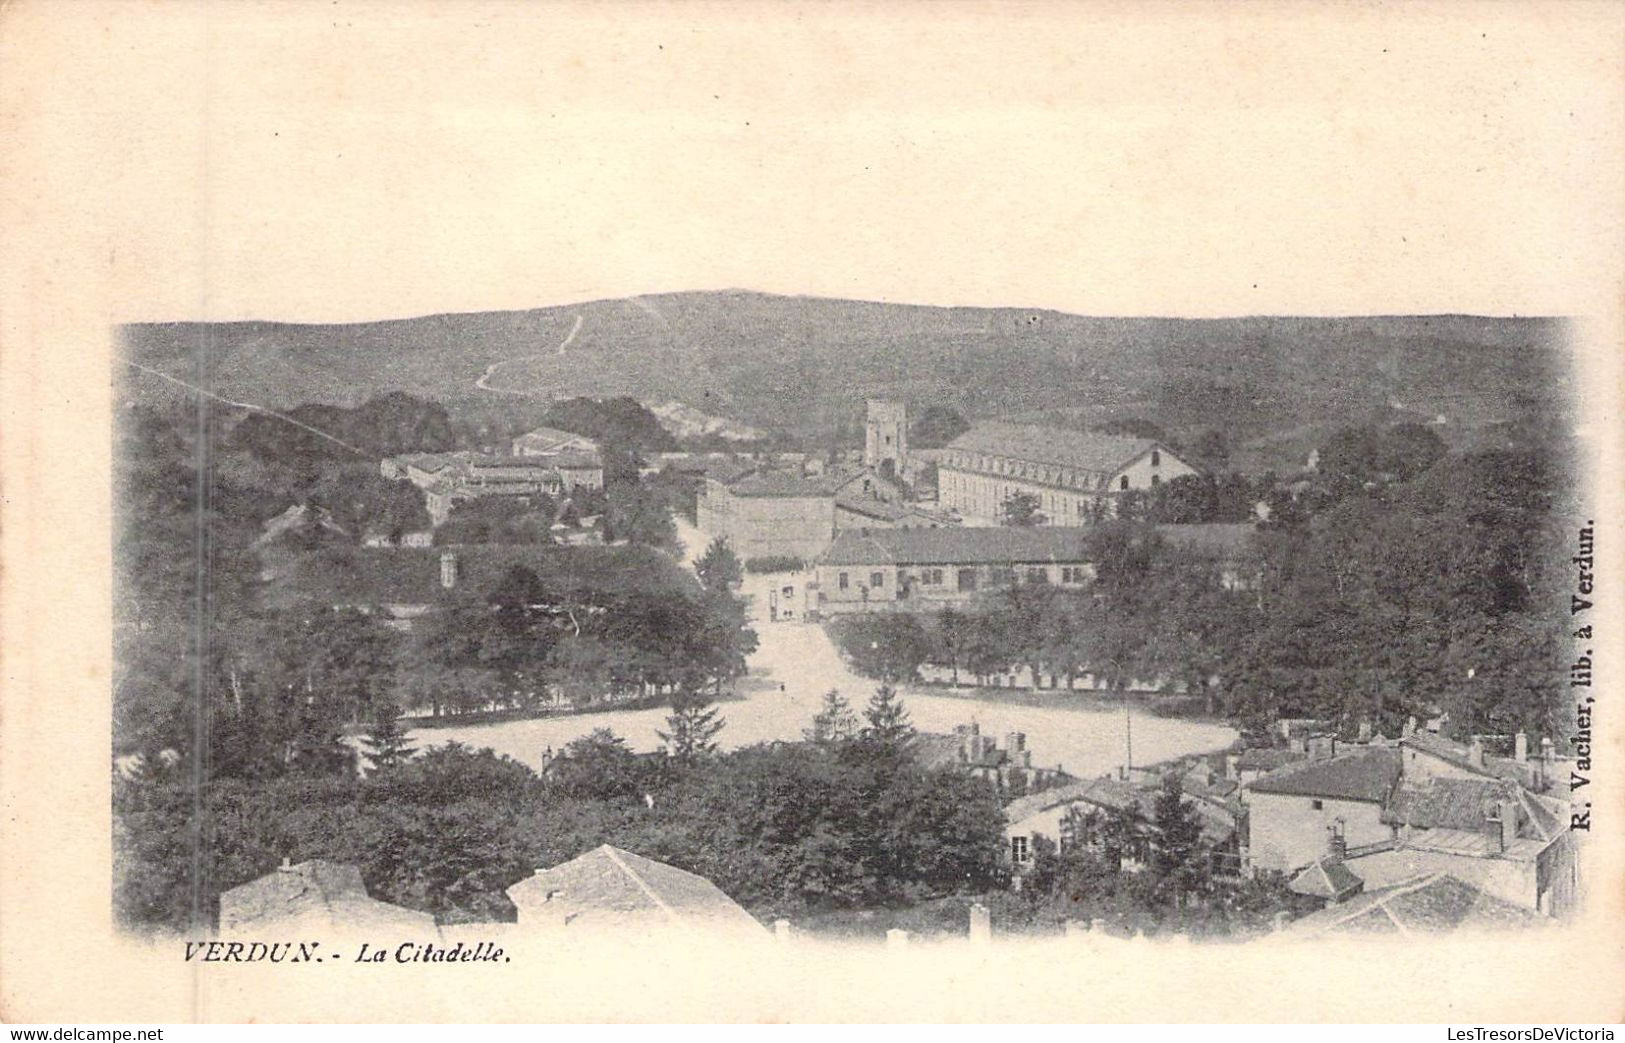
(885, 443)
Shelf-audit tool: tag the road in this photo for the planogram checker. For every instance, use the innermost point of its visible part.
(490, 371)
(800, 657)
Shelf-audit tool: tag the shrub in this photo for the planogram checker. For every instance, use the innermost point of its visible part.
(774, 563)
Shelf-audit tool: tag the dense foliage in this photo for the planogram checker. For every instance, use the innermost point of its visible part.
(849, 822)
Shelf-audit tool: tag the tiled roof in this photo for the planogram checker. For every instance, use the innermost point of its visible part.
(1437, 902)
(789, 484)
(611, 888)
(1265, 759)
(959, 546)
(313, 894)
(1367, 774)
(1116, 795)
(1080, 450)
(1327, 878)
(576, 461)
(544, 438)
(1442, 803)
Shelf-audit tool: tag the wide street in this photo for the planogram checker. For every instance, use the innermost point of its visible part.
(801, 658)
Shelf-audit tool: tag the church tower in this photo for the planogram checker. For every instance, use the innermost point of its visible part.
(885, 443)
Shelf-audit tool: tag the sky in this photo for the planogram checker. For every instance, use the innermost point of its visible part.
(338, 161)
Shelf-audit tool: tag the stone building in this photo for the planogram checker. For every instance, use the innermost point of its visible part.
(916, 569)
(1075, 475)
(885, 438)
(784, 513)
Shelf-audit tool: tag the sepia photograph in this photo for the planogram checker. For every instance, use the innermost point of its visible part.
(596, 495)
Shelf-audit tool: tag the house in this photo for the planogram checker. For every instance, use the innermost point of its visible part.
(1425, 805)
(981, 756)
(1431, 903)
(1046, 813)
(550, 441)
(919, 569)
(1328, 803)
(1075, 475)
(782, 513)
(611, 890)
(316, 897)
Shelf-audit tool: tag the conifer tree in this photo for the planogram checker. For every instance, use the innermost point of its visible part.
(387, 744)
(834, 723)
(694, 725)
(888, 723)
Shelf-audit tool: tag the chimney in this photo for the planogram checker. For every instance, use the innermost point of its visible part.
(1231, 760)
(1520, 747)
(981, 924)
(448, 569)
(1015, 742)
(1410, 727)
(1507, 815)
(1475, 752)
(1297, 744)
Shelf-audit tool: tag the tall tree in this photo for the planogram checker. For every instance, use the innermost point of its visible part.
(834, 723)
(387, 744)
(888, 724)
(719, 568)
(694, 725)
(1021, 510)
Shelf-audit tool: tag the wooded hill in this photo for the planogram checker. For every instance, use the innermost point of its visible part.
(803, 365)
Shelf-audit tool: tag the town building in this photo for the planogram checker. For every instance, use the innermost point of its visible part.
(318, 898)
(1051, 813)
(784, 513)
(920, 569)
(1388, 813)
(885, 438)
(1074, 475)
(550, 442)
(913, 568)
(608, 890)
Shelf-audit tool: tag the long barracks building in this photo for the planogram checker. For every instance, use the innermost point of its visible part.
(1075, 475)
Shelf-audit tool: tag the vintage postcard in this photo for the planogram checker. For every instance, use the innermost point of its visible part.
(857, 512)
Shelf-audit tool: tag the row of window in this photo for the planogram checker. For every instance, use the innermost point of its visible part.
(999, 575)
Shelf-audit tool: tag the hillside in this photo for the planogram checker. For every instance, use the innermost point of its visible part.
(804, 365)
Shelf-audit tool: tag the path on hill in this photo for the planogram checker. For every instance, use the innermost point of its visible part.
(490, 371)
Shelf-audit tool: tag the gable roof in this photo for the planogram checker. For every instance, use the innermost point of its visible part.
(951, 545)
(1436, 902)
(1366, 774)
(545, 438)
(1265, 758)
(316, 893)
(1327, 878)
(612, 888)
(1119, 796)
(1080, 450)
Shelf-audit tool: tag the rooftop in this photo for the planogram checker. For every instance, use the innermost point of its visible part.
(1366, 774)
(958, 546)
(1080, 450)
(1327, 878)
(611, 888)
(1430, 904)
(545, 438)
(314, 894)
